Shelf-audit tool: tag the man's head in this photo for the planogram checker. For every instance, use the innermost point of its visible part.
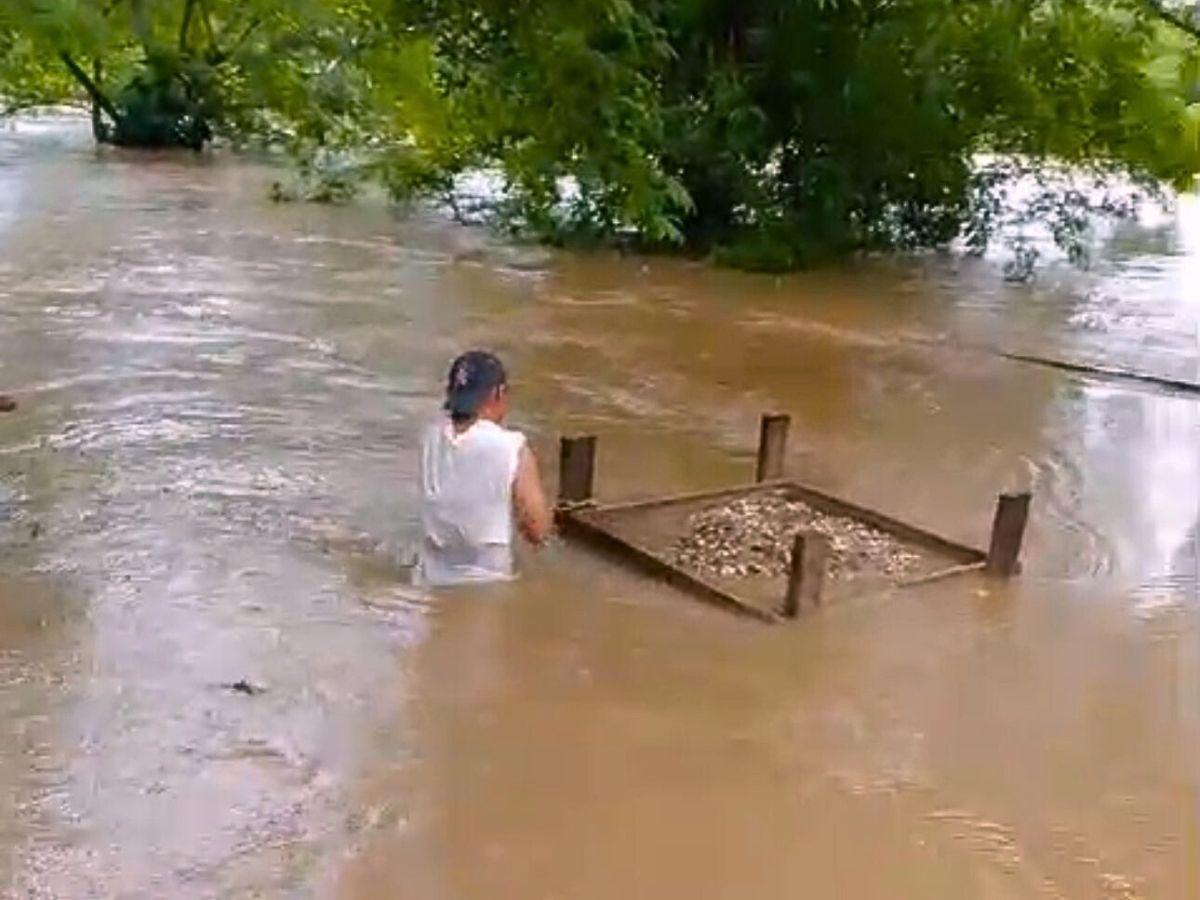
(477, 387)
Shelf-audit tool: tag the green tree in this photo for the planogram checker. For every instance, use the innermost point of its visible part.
(771, 132)
(175, 72)
(779, 132)
(864, 128)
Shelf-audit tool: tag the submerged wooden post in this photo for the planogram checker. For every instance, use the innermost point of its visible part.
(807, 575)
(576, 469)
(772, 446)
(1008, 531)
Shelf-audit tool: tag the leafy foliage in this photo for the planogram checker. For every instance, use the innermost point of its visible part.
(775, 133)
(176, 72)
(809, 128)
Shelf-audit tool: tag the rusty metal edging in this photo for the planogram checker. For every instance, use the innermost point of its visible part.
(573, 524)
(579, 516)
(691, 496)
(913, 533)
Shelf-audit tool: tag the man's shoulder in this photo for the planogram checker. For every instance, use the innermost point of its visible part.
(498, 431)
(483, 433)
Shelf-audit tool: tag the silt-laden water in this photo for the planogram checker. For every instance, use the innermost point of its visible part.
(214, 682)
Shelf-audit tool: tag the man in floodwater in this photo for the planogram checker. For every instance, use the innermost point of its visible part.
(478, 480)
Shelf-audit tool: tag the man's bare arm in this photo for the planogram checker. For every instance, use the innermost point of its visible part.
(535, 519)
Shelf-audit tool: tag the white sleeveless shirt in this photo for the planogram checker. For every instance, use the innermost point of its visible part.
(467, 502)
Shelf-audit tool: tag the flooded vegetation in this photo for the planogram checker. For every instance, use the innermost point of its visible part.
(215, 681)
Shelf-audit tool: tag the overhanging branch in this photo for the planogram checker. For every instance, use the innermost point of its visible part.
(1175, 18)
(186, 24)
(93, 90)
(218, 55)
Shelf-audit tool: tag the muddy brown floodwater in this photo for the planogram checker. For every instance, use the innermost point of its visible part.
(210, 474)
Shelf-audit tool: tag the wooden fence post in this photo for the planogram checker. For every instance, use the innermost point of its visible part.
(576, 469)
(1008, 531)
(807, 576)
(772, 446)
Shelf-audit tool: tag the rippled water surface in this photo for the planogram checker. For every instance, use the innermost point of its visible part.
(215, 683)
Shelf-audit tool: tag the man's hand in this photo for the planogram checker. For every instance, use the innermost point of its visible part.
(535, 519)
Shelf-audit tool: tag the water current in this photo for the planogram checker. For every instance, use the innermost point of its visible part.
(214, 681)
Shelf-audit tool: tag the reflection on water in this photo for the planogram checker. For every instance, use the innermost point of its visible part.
(210, 480)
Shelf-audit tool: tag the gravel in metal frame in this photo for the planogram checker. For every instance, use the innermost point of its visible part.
(753, 537)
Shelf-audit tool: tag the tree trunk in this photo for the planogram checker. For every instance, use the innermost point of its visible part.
(93, 90)
(98, 131)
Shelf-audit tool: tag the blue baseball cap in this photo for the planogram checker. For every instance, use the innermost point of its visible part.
(473, 377)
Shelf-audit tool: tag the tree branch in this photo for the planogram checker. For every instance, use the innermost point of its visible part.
(140, 21)
(186, 24)
(218, 56)
(206, 19)
(1175, 18)
(93, 90)
(250, 28)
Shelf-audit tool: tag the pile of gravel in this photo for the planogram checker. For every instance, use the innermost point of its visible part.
(754, 537)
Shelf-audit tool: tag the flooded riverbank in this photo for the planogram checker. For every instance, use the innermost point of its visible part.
(210, 476)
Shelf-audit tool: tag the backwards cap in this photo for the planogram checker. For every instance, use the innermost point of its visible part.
(473, 377)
